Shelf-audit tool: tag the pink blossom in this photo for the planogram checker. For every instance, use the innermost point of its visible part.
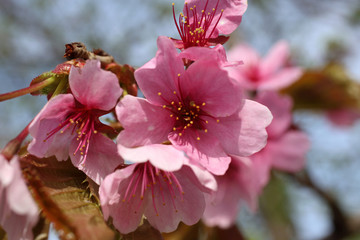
(239, 183)
(269, 73)
(18, 211)
(146, 188)
(199, 110)
(343, 117)
(202, 21)
(286, 147)
(69, 123)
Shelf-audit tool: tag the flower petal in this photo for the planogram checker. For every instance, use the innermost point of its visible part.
(243, 133)
(126, 215)
(143, 122)
(187, 207)
(276, 58)
(164, 157)
(101, 159)
(93, 87)
(210, 87)
(289, 152)
(49, 118)
(280, 107)
(160, 74)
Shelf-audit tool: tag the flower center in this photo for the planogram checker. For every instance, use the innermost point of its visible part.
(83, 123)
(194, 26)
(149, 178)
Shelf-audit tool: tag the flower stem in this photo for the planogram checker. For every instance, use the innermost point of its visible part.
(30, 89)
(14, 145)
(60, 87)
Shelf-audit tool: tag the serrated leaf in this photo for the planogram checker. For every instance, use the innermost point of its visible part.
(64, 198)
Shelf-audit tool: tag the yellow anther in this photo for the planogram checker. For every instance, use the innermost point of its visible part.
(71, 121)
(179, 108)
(205, 130)
(179, 75)
(164, 106)
(174, 128)
(95, 131)
(203, 104)
(202, 11)
(191, 9)
(222, 10)
(206, 121)
(171, 115)
(213, 9)
(191, 122)
(61, 131)
(174, 92)
(172, 103)
(217, 120)
(159, 93)
(180, 134)
(177, 118)
(173, 4)
(198, 138)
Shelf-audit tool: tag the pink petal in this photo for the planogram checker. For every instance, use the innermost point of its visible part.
(243, 133)
(232, 15)
(280, 107)
(126, 215)
(276, 58)
(343, 117)
(240, 182)
(289, 152)
(18, 211)
(245, 53)
(208, 85)
(280, 80)
(93, 87)
(53, 113)
(207, 151)
(160, 74)
(143, 122)
(101, 160)
(187, 208)
(164, 157)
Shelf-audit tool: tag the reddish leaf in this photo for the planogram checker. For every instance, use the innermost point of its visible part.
(64, 198)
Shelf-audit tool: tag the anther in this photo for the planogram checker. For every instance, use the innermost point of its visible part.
(159, 93)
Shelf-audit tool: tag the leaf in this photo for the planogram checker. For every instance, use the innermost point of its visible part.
(325, 89)
(62, 193)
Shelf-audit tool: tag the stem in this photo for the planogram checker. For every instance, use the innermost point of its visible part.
(30, 89)
(59, 87)
(13, 146)
(341, 228)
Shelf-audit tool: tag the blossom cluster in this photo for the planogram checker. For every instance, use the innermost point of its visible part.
(204, 137)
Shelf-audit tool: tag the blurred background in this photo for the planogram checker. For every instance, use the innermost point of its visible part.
(33, 35)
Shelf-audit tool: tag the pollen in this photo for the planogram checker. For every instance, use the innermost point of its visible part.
(198, 138)
(174, 92)
(159, 93)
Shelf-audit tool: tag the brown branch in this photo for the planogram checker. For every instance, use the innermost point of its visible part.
(341, 226)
